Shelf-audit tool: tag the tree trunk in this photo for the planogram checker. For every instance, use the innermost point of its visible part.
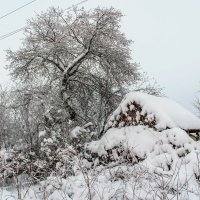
(65, 98)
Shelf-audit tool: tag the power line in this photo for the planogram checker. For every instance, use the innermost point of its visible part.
(16, 9)
(20, 29)
(11, 33)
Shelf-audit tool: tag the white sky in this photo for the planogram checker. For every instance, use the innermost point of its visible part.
(166, 35)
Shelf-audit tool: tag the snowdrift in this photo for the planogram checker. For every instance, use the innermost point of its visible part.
(166, 163)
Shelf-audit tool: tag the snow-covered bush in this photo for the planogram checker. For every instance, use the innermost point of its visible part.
(161, 152)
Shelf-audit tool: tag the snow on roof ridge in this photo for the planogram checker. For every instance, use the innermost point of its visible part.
(168, 113)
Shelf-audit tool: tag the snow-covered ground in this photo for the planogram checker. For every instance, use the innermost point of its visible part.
(142, 162)
(113, 182)
(170, 169)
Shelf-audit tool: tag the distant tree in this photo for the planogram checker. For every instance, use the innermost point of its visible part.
(9, 124)
(83, 55)
(197, 104)
(3, 117)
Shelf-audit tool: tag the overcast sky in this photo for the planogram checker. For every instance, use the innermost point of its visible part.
(166, 35)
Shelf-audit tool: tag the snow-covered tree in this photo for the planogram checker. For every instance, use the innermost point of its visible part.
(3, 118)
(83, 55)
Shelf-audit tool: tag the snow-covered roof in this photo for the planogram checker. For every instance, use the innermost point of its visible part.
(167, 113)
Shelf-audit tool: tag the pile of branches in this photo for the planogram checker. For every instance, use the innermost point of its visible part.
(133, 117)
(117, 154)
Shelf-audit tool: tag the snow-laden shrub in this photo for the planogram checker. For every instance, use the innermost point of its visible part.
(162, 152)
(13, 163)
